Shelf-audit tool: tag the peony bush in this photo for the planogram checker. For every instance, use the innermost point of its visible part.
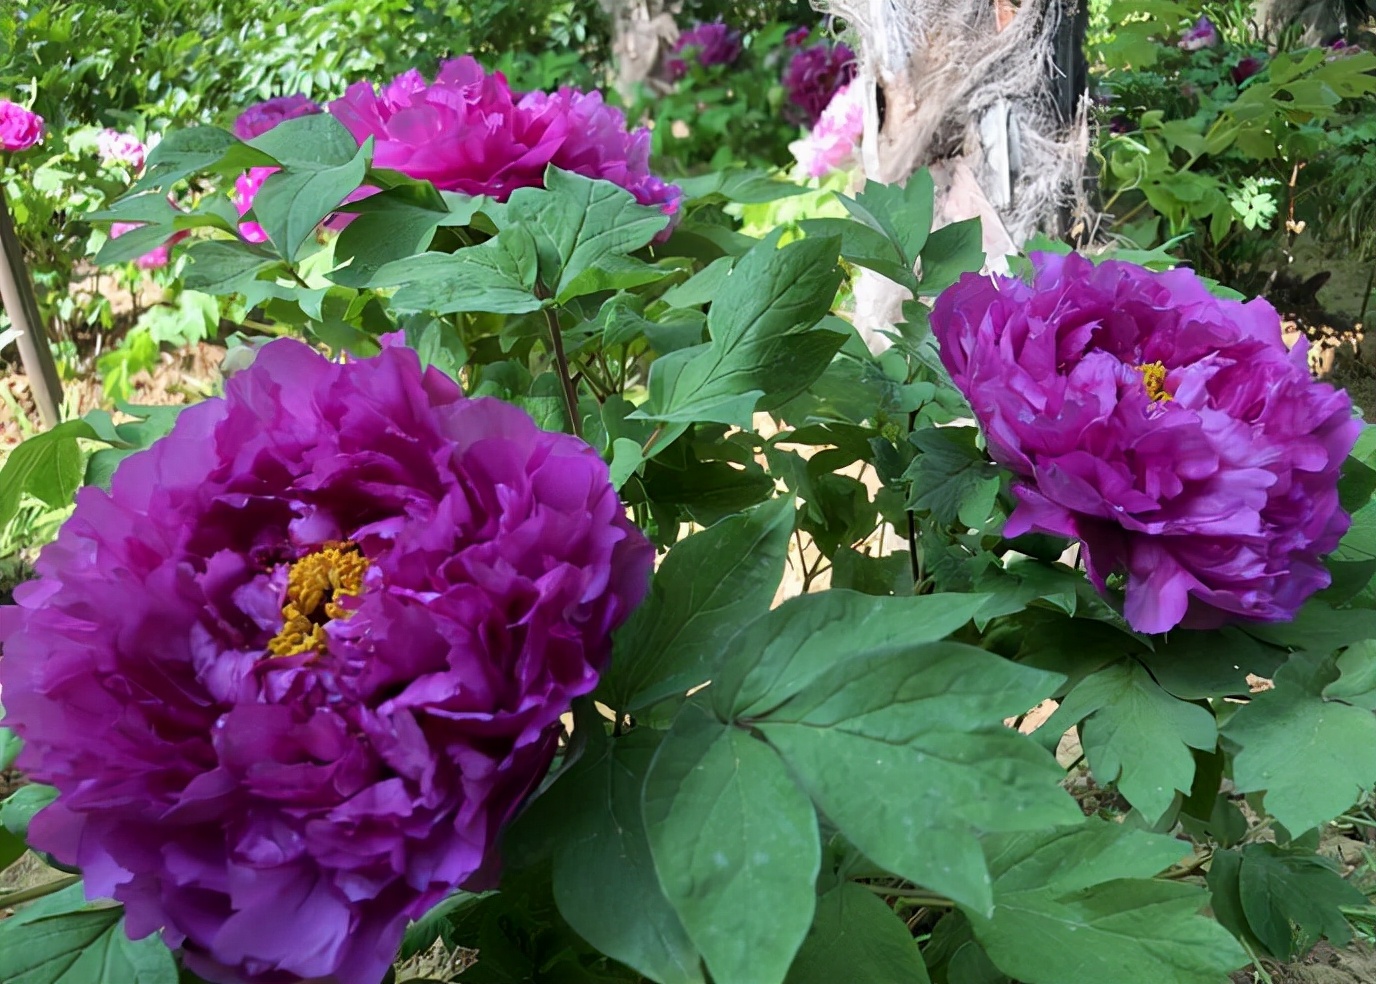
(573, 585)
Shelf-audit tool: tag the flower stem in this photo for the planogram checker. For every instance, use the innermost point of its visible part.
(37, 891)
(556, 339)
(914, 897)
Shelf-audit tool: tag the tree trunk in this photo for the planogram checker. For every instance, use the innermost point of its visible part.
(987, 94)
(1320, 21)
(641, 30)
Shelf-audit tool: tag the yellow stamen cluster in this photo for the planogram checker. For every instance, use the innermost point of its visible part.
(315, 584)
(1154, 376)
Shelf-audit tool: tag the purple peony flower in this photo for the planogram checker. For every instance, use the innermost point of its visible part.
(1246, 68)
(294, 673)
(1165, 428)
(20, 129)
(706, 44)
(469, 132)
(1202, 35)
(246, 187)
(813, 77)
(797, 37)
(1121, 124)
(262, 117)
(116, 147)
(157, 257)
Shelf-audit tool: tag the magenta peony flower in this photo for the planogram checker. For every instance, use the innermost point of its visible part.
(294, 673)
(706, 44)
(796, 37)
(813, 77)
(1167, 429)
(832, 143)
(20, 129)
(262, 117)
(1202, 35)
(469, 132)
(116, 147)
(1245, 69)
(155, 258)
(246, 187)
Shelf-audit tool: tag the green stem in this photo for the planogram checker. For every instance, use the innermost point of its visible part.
(916, 898)
(37, 891)
(556, 339)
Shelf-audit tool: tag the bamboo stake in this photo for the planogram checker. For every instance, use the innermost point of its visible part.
(17, 298)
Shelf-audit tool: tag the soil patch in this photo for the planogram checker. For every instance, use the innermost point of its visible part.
(1324, 965)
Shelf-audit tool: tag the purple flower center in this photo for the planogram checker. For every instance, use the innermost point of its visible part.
(315, 584)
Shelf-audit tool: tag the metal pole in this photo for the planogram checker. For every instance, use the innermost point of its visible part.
(17, 298)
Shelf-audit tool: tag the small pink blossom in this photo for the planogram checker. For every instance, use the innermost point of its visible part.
(116, 147)
(832, 143)
(246, 187)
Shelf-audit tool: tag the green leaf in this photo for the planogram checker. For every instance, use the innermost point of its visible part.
(951, 478)
(951, 251)
(866, 247)
(47, 466)
(856, 937)
(293, 202)
(765, 349)
(626, 458)
(604, 878)
(577, 222)
(903, 215)
(1075, 905)
(708, 587)
(10, 746)
(703, 286)
(86, 947)
(497, 277)
(183, 152)
(1293, 899)
(1312, 756)
(12, 848)
(18, 809)
(218, 266)
(612, 272)
(132, 244)
(904, 748)
(317, 142)
(434, 926)
(735, 845)
(388, 227)
(1137, 735)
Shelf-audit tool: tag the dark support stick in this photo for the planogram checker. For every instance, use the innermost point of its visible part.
(16, 295)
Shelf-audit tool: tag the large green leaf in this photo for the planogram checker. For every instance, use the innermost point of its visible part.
(856, 937)
(578, 222)
(766, 347)
(903, 215)
(1077, 904)
(735, 845)
(904, 748)
(218, 266)
(604, 878)
(47, 466)
(951, 478)
(394, 225)
(293, 202)
(314, 142)
(708, 587)
(1313, 756)
(497, 277)
(83, 947)
(1137, 735)
(1293, 899)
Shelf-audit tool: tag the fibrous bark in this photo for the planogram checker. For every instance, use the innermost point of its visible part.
(641, 31)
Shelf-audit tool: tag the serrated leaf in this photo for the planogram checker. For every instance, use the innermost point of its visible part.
(1137, 735)
(1313, 757)
(735, 846)
(951, 478)
(1292, 900)
(765, 348)
(496, 277)
(577, 222)
(904, 748)
(1074, 905)
(218, 266)
(856, 937)
(604, 878)
(708, 587)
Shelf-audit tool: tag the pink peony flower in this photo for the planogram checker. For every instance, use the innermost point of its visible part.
(469, 132)
(813, 77)
(707, 45)
(20, 129)
(246, 188)
(116, 147)
(262, 117)
(154, 258)
(831, 144)
(296, 671)
(1167, 429)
